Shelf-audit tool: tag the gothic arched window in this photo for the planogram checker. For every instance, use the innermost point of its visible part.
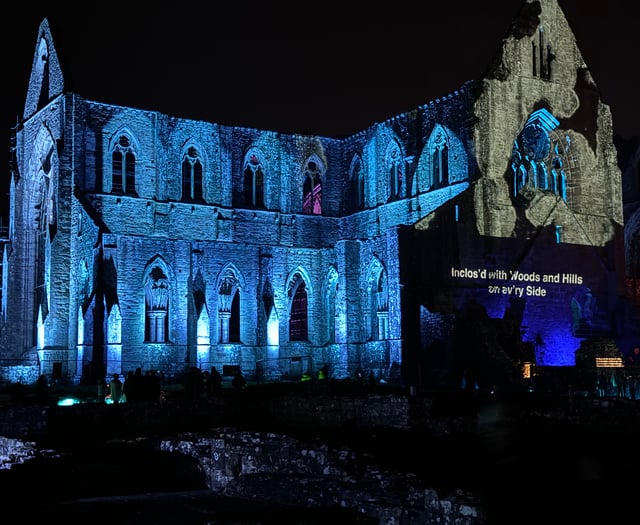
(199, 291)
(440, 162)
(298, 316)
(191, 175)
(395, 169)
(253, 182)
(123, 167)
(355, 198)
(312, 188)
(443, 162)
(382, 305)
(157, 302)
(540, 156)
(229, 309)
(541, 55)
(377, 320)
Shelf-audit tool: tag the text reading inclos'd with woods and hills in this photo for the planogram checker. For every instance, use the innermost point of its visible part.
(517, 277)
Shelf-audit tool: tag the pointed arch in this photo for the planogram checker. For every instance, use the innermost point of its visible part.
(123, 148)
(40, 336)
(271, 314)
(298, 293)
(157, 285)
(229, 286)
(312, 176)
(114, 325)
(199, 291)
(253, 176)
(376, 289)
(443, 161)
(46, 81)
(42, 179)
(355, 197)
(540, 158)
(394, 164)
(192, 169)
(203, 335)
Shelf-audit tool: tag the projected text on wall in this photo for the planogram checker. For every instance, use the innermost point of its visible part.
(516, 283)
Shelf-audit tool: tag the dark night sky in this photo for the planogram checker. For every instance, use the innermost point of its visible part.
(323, 70)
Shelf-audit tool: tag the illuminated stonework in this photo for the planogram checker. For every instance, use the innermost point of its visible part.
(145, 240)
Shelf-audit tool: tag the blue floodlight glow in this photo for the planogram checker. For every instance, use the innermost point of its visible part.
(273, 330)
(68, 401)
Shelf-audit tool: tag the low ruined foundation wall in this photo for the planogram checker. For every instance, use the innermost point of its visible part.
(286, 471)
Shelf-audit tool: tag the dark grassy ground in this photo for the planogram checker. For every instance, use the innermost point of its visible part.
(525, 463)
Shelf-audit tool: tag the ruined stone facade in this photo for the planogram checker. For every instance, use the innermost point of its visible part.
(139, 239)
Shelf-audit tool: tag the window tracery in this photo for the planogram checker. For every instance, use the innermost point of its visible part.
(377, 298)
(192, 173)
(157, 302)
(229, 308)
(298, 314)
(539, 157)
(395, 169)
(312, 188)
(356, 197)
(123, 167)
(254, 172)
(439, 161)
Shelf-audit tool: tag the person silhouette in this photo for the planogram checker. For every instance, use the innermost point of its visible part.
(42, 389)
(215, 381)
(115, 389)
(101, 390)
(239, 382)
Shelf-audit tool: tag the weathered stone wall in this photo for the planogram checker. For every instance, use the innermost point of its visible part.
(511, 91)
(286, 471)
(454, 161)
(15, 451)
(264, 466)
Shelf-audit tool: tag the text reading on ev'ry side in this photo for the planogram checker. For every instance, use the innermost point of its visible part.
(516, 282)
